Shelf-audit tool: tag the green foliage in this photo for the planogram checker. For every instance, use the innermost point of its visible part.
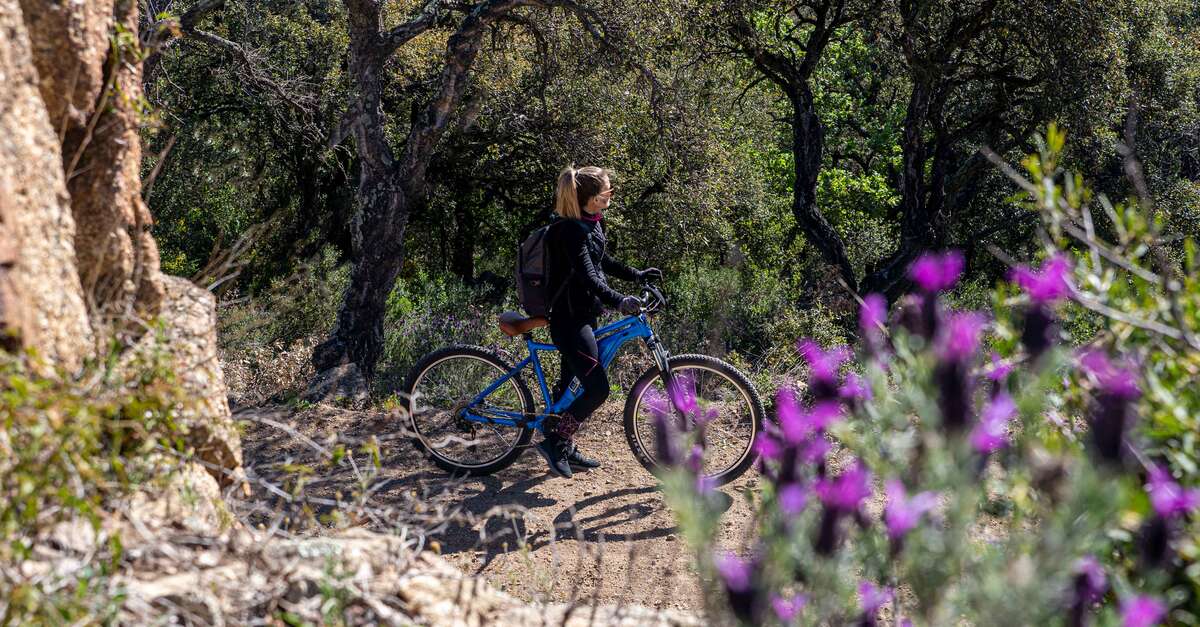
(68, 447)
(1138, 295)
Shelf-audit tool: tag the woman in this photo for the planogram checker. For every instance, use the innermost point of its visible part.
(579, 259)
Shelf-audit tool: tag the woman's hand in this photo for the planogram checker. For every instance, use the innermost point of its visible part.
(649, 274)
(630, 306)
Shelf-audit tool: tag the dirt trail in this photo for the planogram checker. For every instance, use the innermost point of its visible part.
(605, 534)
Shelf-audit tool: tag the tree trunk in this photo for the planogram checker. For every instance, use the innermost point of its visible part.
(921, 226)
(390, 189)
(377, 228)
(462, 253)
(808, 142)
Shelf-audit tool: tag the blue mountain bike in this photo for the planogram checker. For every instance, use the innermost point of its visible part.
(472, 413)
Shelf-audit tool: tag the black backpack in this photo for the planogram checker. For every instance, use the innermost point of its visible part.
(533, 274)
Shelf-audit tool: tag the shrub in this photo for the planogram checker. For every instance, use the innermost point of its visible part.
(68, 447)
(266, 340)
(941, 486)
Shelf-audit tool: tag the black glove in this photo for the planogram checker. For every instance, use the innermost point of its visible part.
(649, 274)
(630, 306)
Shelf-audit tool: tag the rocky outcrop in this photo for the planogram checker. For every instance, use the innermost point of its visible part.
(78, 265)
(70, 43)
(87, 56)
(187, 338)
(41, 303)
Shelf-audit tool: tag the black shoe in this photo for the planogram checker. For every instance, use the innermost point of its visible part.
(578, 460)
(555, 450)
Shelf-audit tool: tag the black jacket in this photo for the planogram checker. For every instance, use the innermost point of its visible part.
(579, 256)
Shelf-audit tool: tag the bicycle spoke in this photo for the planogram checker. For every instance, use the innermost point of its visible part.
(730, 428)
(442, 397)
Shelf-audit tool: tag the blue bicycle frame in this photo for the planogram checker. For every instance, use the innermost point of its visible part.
(609, 339)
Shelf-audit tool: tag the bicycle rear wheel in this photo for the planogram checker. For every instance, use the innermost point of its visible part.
(731, 404)
(438, 391)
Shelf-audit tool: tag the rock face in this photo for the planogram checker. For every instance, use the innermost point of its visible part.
(78, 265)
(93, 93)
(64, 31)
(41, 301)
(188, 340)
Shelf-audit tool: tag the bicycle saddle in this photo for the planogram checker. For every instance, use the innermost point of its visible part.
(512, 323)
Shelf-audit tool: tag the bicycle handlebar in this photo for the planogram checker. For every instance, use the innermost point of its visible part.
(652, 298)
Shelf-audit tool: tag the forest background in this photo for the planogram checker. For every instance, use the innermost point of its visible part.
(352, 178)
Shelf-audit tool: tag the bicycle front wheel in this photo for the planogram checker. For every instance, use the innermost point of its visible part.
(732, 411)
(442, 387)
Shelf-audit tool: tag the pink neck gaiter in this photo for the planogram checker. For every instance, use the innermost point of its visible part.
(592, 217)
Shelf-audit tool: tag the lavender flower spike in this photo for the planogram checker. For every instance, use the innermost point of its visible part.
(1169, 498)
(934, 273)
(823, 365)
(1048, 285)
(901, 514)
(872, 598)
(1000, 370)
(854, 390)
(792, 499)
(734, 571)
(872, 320)
(1142, 611)
(846, 493)
(992, 431)
(787, 609)
(767, 447)
(1087, 588)
(960, 338)
(738, 577)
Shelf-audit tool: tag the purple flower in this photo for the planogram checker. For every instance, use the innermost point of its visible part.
(824, 414)
(1115, 381)
(767, 447)
(872, 319)
(1113, 409)
(960, 337)
(901, 514)
(814, 450)
(1048, 285)
(873, 597)
(799, 425)
(656, 402)
(695, 459)
(792, 499)
(787, 609)
(683, 394)
(935, 273)
(737, 575)
(999, 370)
(1169, 498)
(847, 492)
(823, 366)
(735, 572)
(1142, 611)
(792, 418)
(1091, 582)
(992, 431)
(854, 389)
(872, 315)
(665, 436)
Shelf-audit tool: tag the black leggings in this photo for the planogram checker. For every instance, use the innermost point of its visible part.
(576, 342)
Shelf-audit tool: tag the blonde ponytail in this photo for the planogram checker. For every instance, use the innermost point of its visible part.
(566, 199)
(576, 188)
